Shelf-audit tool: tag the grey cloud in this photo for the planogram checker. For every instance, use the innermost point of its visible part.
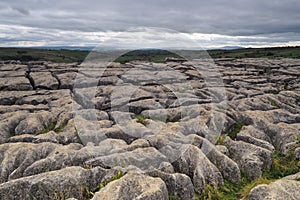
(23, 11)
(236, 17)
(135, 39)
(232, 18)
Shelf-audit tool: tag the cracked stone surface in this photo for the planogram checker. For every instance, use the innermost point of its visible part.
(172, 128)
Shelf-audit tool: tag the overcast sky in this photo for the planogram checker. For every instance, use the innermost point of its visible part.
(150, 23)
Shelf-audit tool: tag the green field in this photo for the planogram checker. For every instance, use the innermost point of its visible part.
(33, 54)
(275, 52)
(154, 55)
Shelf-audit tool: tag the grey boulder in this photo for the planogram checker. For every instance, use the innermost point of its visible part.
(134, 186)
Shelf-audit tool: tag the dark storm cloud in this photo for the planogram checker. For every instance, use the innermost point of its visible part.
(231, 18)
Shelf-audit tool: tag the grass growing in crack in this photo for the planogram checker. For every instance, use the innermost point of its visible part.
(236, 130)
(282, 165)
(298, 139)
(78, 137)
(231, 191)
(174, 119)
(244, 193)
(141, 119)
(286, 86)
(275, 91)
(60, 128)
(221, 140)
(273, 103)
(268, 71)
(210, 193)
(48, 128)
(51, 127)
(91, 193)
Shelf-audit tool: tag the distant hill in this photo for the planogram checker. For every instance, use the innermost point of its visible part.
(229, 48)
(37, 54)
(78, 54)
(80, 48)
(272, 52)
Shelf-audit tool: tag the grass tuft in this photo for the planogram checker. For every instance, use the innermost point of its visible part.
(282, 165)
(60, 128)
(244, 193)
(221, 140)
(48, 128)
(91, 193)
(141, 119)
(273, 103)
(298, 139)
(236, 130)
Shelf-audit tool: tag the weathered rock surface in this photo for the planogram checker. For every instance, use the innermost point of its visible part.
(44, 80)
(194, 163)
(252, 160)
(67, 126)
(134, 186)
(61, 184)
(15, 158)
(282, 189)
(34, 123)
(143, 158)
(178, 185)
(252, 135)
